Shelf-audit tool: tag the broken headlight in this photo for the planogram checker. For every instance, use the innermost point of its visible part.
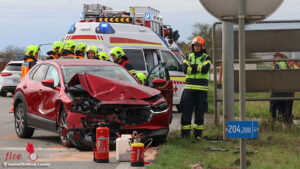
(162, 107)
(85, 105)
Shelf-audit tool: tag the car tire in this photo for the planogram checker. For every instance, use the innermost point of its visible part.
(21, 127)
(158, 140)
(63, 124)
(3, 94)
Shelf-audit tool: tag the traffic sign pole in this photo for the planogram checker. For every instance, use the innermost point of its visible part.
(242, 78)
(228, 74)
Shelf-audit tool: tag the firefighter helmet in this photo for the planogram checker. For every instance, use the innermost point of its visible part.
(70, 45)
(103, 56)
(32, 50)
(82, 47)
(57, 46)
(141, 77)
(117, 51)
(198, 41)
(92, 48)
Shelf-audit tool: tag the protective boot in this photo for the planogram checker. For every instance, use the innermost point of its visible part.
(185, 133)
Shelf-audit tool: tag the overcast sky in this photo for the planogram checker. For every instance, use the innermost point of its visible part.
(25, 22)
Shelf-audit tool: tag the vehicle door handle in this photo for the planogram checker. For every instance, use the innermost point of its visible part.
(40, 91)
(25, 86)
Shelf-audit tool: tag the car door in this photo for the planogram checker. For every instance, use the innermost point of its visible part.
(160, 71)
(48, 97)
(33, 94)
(176, 75)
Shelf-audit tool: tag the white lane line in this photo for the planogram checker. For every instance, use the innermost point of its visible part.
(38, 149)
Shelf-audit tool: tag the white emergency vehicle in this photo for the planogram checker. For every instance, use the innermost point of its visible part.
(135, 32)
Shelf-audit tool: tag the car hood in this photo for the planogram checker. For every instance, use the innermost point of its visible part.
(107, 89)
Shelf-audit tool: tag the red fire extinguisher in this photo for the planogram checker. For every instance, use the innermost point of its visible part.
(137, 152)
(101, 152)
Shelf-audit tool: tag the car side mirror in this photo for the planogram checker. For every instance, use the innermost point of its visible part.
(48, 83)
(159, 82)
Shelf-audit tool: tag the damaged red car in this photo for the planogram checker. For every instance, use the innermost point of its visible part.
(73, 98)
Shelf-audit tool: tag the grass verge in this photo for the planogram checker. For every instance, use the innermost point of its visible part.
(278, 147)
(256, 109)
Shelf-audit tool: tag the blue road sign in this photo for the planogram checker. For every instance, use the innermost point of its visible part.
(148, 15)
(242, 129)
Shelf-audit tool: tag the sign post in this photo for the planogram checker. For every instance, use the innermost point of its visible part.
(241, 12)
(242, 78)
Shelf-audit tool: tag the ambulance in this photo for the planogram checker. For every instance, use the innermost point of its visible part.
(138, 32)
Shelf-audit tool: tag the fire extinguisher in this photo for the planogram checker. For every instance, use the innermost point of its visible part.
(101, 151)
(137, 152)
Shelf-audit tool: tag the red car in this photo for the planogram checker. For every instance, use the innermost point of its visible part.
(72, 97)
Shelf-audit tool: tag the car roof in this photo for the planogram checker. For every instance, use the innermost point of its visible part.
(80, 62)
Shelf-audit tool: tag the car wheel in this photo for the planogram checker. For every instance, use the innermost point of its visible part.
(2, 94)
(63, 124)
(158, 140)
(21, 127)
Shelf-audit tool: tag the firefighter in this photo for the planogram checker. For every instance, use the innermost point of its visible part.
(30, 59)
(292, 65)
(81, 49)
(141, 77)
(92, 52)
(280, 107)
(69, 51)
(196, 67)
(55, 52)
(104, 56)
(119, 57)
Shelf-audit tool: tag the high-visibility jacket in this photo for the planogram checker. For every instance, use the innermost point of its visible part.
(51, 57)
(27, 65)
(282, 65)
(126, 64)
(197, 71)
(70, 56)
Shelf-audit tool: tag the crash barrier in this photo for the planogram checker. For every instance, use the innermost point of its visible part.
(262, 40)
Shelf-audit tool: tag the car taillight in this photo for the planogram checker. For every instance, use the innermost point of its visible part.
(6, 74)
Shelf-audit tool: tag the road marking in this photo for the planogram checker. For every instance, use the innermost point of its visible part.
(9, 137)
(38, 149)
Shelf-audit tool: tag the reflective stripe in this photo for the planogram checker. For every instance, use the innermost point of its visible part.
(196, 87)
(187, 62)
(186, 127)
(207, 62)
(132, 71)
(189, 70)
(199, 68)
(178, 78)
(198, 127)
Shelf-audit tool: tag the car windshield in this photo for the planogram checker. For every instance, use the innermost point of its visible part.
(113, 72)
(13, 67)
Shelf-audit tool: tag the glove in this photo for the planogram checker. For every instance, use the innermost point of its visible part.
(194, 68)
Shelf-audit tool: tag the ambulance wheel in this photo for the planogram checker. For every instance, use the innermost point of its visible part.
(179, 108)
(63, 124)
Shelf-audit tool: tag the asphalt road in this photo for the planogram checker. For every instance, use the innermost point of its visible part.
(47, 147)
